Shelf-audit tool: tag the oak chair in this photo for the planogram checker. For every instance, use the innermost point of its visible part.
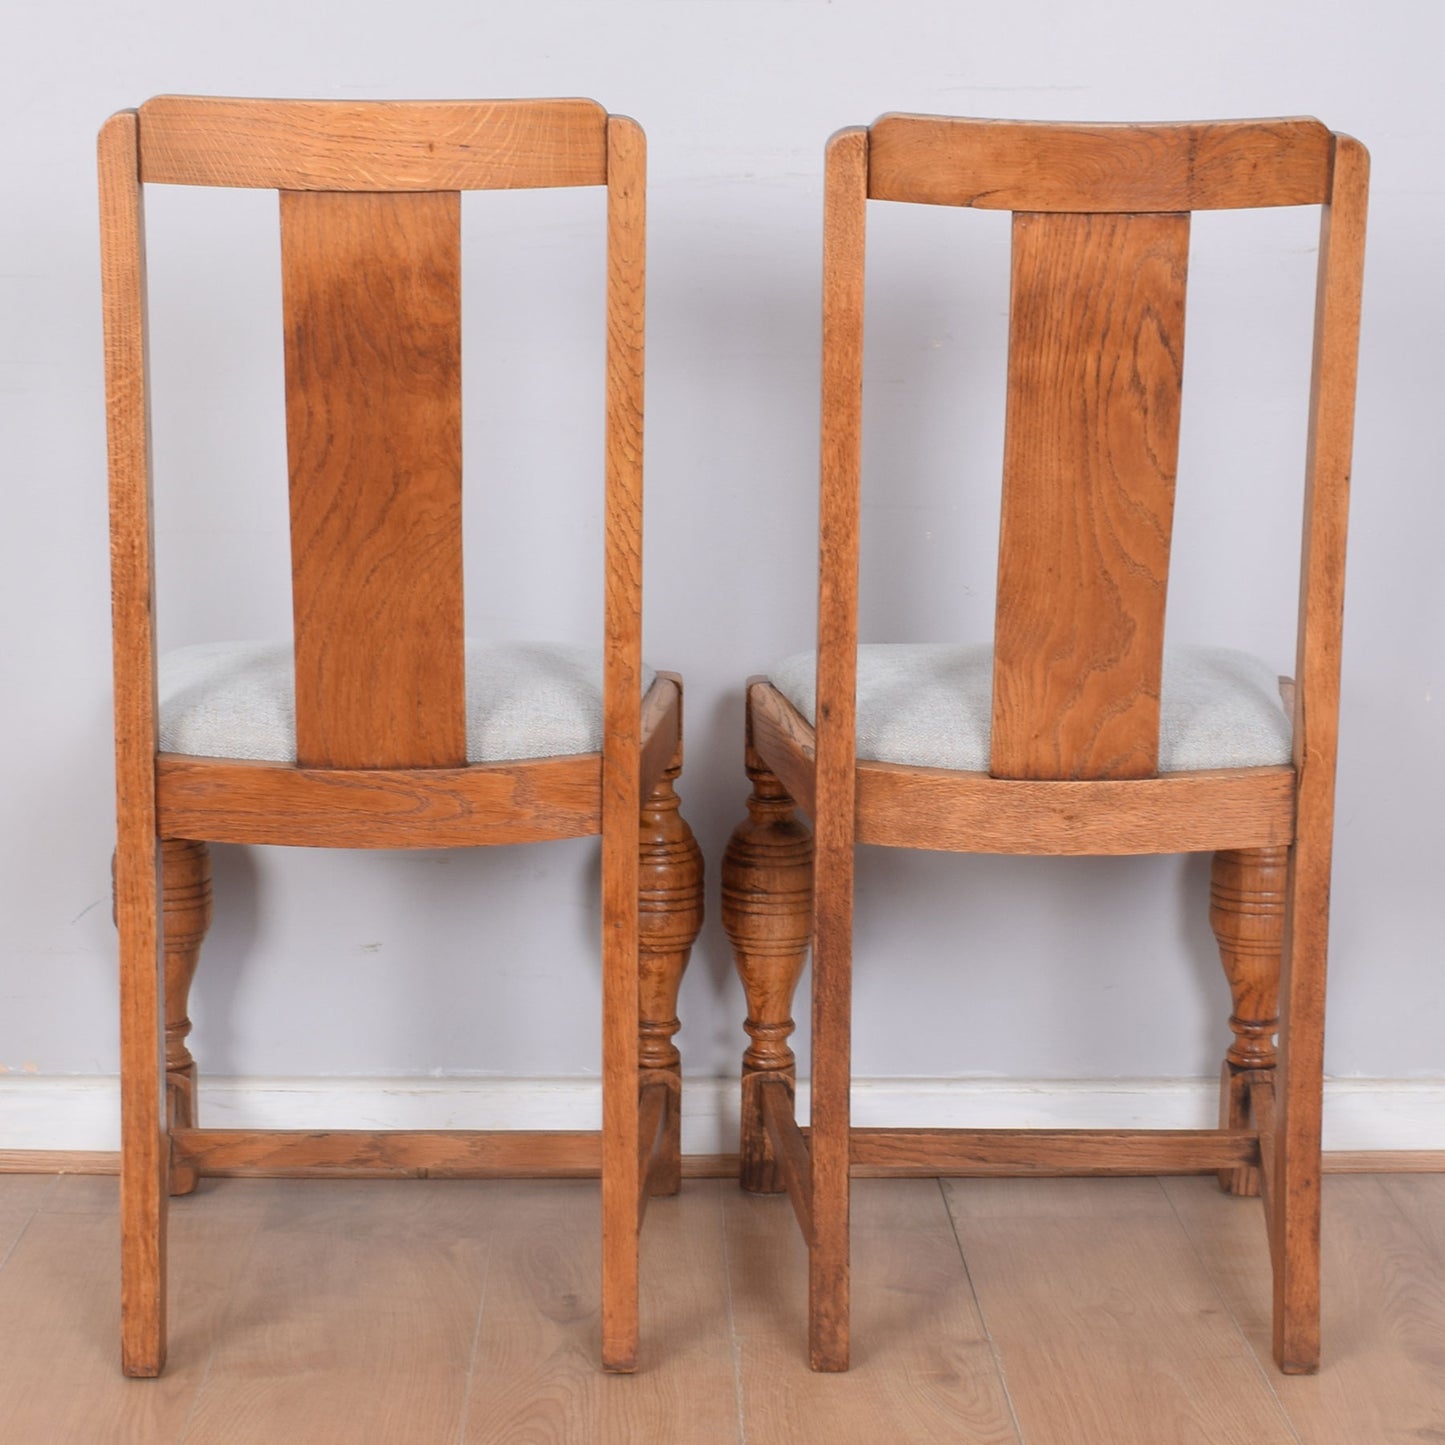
(1075, 733)
(384, 726)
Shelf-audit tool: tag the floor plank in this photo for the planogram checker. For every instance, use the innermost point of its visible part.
(1382, 1379)
(20, 1196)
(355, 1316)
(536, 1376)
(60, 1318)
(432, 1311)
(922, 1367)
(1108, 1328)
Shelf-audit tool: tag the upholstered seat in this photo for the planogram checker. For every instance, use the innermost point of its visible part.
(524, 700)
(930, 705)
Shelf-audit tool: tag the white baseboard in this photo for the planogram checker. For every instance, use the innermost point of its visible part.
(82, 1113)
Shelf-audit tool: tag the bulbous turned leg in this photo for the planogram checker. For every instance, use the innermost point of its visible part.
(1246, 911)
(186, 905)
(767, 913)
(669, 917)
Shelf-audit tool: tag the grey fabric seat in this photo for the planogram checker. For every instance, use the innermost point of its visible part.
(930, 705)
(524, 700)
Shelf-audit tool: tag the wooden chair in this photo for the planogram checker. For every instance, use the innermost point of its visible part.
(1062, 740)
(389, 729)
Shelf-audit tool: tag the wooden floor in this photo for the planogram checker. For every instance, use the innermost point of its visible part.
(1056, 1312)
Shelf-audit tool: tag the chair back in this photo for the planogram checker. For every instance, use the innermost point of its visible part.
(371, 293)
(1096, 345)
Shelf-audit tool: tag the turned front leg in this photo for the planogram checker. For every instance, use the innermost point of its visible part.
(186, 905)
(669, 917)
(767, 902)
(1247, 914)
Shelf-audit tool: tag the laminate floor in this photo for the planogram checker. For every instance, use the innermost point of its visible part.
(1044, 1311)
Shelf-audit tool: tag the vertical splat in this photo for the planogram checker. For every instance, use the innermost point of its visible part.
(372, 295)
(1096, 351)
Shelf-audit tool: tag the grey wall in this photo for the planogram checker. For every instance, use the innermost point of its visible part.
(438, 963)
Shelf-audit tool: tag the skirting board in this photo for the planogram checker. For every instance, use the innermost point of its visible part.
(69, 1114)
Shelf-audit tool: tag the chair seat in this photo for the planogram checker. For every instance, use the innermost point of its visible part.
(524, 700)
(930, 705)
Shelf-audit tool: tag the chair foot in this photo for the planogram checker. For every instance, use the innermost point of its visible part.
(767, 913)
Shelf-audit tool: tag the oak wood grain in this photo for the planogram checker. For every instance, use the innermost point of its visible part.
(391, 145)
(1062, 166)
(370, 263)
(1052, 1151)
(767, 914)
(1096, 355)
(371, 290)
(907, 807)
(1172, 813)
(1246, 912)
(1295, 1210)
(137, 857)
(670, 913)
(661, 730)
(844, 218)
(186, 915)
(621, 762)
(790, 1153)
(237, 800)
(1091, 442)
(390, 1153)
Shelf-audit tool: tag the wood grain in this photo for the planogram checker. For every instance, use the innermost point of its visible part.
(790, 1152)
(535, 1376)
(1296, 1204)
(670, 913)
(767, 914)
(391, 145)
(1053, 166)
(1384, 1305)
(923, 1369)
(390, 1153)
(234, 800)
(661, 730)
(58, 1293)
(186, 915)
(1173, 813)
(1106, 1288)
(1091, 443)
(987, 1152)
(137, 857)
(784, 742)
(844, 215)
(900, 806)
(371, 289)
(296, 1347)
(1096, 357)
(1246, 912)
(370, 214)
(621, 762)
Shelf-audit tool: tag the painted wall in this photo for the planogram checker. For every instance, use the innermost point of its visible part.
(438, 964)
